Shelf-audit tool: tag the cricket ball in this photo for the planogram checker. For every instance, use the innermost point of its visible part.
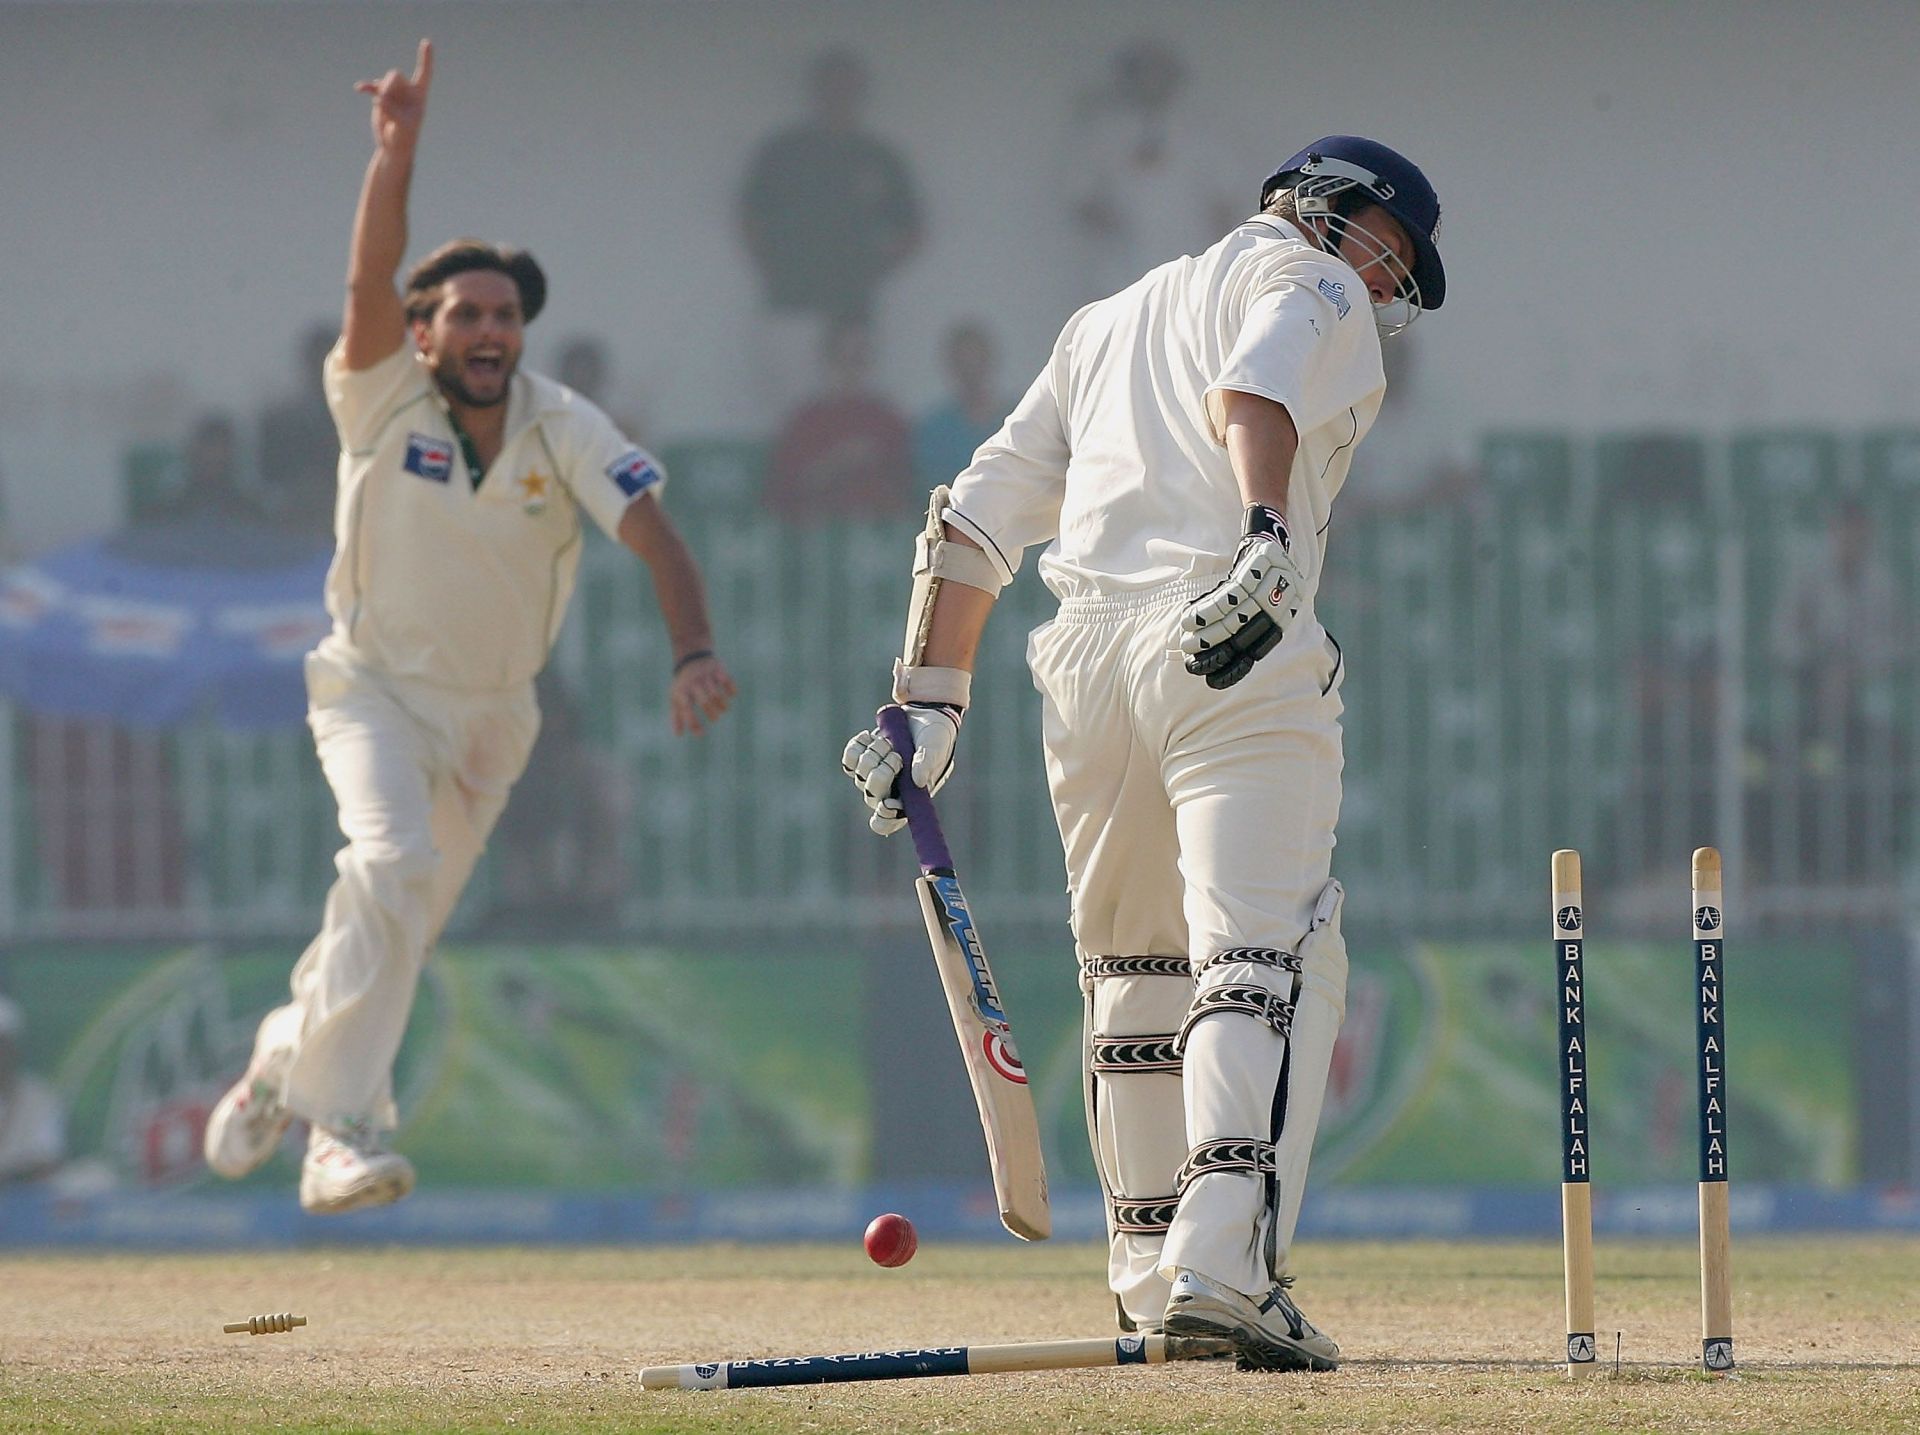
(891, 1240)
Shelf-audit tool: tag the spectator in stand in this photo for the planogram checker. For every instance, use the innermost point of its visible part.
(209, 520)
(944, 441)
(1844, 642)
(298, 447)
(210, 484)
(1148, 179)
(828, 212)
(848, 452)
(33, 1127)
(561, 868)
(107, 813)
(582, 364)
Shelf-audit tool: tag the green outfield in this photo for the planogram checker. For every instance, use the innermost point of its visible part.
(1455, 1337)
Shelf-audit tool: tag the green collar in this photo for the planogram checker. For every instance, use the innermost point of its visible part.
(476, 470)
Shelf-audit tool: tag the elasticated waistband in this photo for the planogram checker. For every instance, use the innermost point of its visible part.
(1106, 607)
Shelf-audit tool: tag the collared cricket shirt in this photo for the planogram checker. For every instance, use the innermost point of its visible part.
(438, 578)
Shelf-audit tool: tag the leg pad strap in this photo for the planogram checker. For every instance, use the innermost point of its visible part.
(1257, 1002)
(1252, 956)
(1131, 1055)
(1094, 969)
(1143, 1216)
(1243, 1155)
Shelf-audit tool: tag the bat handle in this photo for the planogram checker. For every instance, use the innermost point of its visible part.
(929, 842)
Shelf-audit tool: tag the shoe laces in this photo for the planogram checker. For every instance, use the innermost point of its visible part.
(1281, 1298)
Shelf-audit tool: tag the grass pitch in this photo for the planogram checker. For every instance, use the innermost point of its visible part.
(1436, 1337)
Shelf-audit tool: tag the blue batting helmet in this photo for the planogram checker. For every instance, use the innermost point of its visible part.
(1390, 180)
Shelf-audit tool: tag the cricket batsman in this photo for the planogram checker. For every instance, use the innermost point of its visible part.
(463, 483)
(1178, 457)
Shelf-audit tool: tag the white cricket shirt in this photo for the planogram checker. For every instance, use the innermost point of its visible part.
(1111, 458)
(435, 579)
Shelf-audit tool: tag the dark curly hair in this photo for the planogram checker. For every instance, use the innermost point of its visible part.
(461, 256)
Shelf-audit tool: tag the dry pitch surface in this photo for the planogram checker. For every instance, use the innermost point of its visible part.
(1452, 1337)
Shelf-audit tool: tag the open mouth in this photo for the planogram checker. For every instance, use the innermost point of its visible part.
(486, 366)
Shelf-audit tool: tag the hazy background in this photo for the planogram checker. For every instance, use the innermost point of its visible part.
(1698, 213)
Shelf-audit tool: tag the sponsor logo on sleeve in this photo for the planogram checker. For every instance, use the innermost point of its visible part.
(633, 473)
(431, 458)
(1335, 293)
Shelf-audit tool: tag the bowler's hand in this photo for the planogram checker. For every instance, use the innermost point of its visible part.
(400, 102)
(702, 689)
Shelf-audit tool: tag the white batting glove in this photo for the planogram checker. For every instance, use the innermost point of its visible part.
(874, 765)
(1225, 631)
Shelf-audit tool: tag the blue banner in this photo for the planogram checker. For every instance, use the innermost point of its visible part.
(88, 631)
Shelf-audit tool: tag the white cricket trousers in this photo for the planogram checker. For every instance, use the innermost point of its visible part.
(420, 775)
(1198, 827)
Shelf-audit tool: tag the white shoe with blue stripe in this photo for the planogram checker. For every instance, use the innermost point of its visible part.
(1268, 1332)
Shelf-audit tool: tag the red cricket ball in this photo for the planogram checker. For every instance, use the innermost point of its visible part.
(891, 1240)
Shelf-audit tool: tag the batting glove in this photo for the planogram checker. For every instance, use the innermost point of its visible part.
(874, 765)
(1226, 631)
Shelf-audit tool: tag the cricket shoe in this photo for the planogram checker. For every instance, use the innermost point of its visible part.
(246, 1127)
(1269, 1333)
(347, 1168)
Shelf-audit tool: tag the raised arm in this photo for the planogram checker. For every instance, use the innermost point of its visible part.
(376, 321)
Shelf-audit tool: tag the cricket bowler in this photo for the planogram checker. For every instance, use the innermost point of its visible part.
(458, 527)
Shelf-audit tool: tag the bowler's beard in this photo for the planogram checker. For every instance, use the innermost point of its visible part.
(447, 375)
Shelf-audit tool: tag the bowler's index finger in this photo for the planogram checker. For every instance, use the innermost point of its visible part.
(423, 66)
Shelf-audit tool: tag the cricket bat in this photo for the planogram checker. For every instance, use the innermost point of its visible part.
(986, 1041)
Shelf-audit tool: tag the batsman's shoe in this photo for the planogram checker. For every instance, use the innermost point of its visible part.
(1268, 1332)
(347, 1168)
(245, 1127)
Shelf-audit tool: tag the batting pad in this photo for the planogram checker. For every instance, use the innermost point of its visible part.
(1135, 1114)
(1258, 1045)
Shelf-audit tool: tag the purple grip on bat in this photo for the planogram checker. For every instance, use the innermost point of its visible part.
(929, 842)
